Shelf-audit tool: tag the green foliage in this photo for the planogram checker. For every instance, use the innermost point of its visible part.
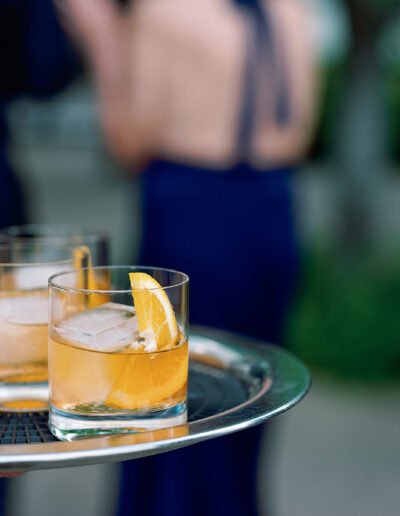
(389, 54)
(392, 101)
(332, 79)
(346, 320)
(378, 5)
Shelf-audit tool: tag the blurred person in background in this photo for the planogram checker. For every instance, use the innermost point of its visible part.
(36, 58)
(213, 101)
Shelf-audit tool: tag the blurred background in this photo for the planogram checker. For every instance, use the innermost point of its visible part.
(339, 451)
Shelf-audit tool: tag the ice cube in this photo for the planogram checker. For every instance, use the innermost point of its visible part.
(36, 276)
(111, 327)
(25, 309)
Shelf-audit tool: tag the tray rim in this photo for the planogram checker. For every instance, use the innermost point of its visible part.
(118, 447)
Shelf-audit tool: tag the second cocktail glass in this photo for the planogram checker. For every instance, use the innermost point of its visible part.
(24, 272)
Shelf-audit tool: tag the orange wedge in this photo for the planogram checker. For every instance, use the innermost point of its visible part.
(82, 257)
(155, 314)
(148, 380)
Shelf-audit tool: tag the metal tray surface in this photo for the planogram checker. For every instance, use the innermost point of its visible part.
(234, 382)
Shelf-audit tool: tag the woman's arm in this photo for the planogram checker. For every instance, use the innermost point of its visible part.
(124, 52)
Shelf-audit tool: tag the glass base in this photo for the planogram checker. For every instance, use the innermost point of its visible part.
(24, 397)
(68, 426)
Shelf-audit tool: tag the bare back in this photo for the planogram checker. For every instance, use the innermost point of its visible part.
(187, 61)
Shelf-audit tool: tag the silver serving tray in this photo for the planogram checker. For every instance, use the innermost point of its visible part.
(234, 383)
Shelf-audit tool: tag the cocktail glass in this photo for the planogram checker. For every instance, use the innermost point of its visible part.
(118, 358)
(24, 273)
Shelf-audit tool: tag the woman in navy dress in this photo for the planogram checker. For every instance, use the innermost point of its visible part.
(213, 101)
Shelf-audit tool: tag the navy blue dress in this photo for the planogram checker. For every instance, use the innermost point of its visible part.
(233, 233)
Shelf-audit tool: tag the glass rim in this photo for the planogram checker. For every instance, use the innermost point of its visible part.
(36, 264)
(88, 234)
(52, 284)
(11, 245)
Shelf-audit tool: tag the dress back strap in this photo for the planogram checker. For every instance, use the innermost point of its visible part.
(263, 60)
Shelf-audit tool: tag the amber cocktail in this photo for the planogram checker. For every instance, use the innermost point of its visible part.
(24, 273)
(118, 358)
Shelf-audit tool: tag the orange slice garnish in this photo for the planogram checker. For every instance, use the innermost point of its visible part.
(151, 379)
(148, 379)
(82, 257)
(154, 311)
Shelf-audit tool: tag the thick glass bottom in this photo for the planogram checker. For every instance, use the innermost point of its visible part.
(24, 397)
(69, 426)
